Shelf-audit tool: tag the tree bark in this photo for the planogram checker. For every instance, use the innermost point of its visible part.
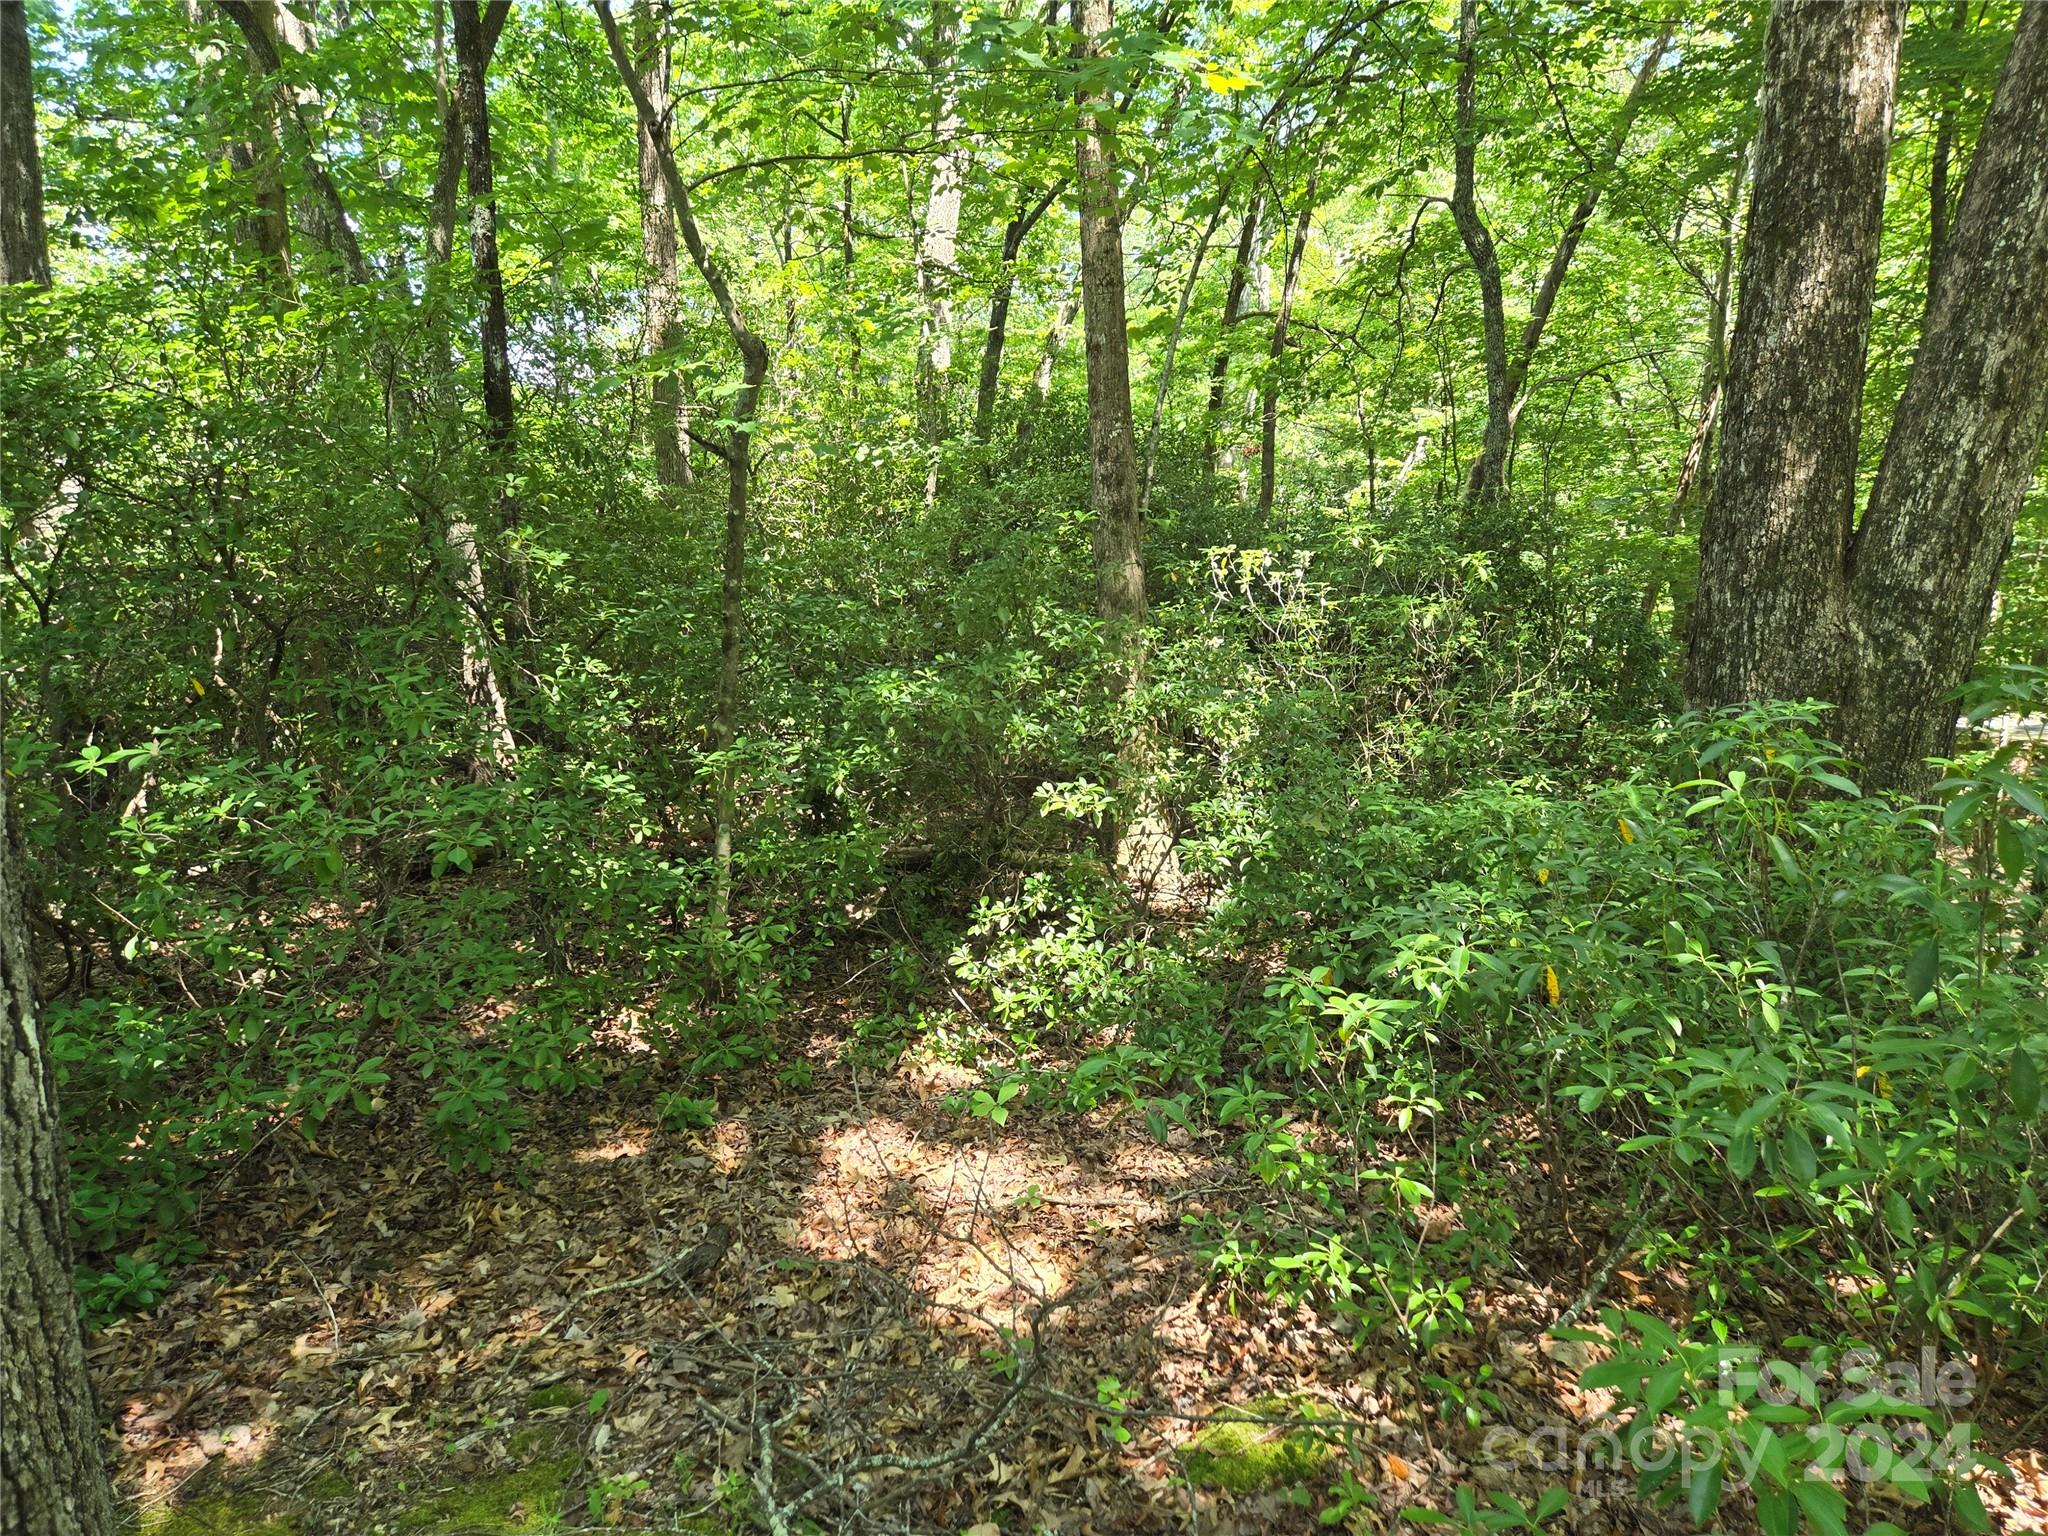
(1143, 841)
(1233, 311)
(53, 1478)
(1487, 487)
(265, 229)
(669, 426)
(1771, 595)
(258, 21)
(1964, 444)
(1276, 351)
(24, 242)
(738, 459)
(1015, 233)
(476, 39)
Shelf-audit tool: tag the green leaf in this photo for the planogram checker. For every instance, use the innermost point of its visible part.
(1776, 1512)
(1703, 1494)
(1898, 1215)
(1969, 1507)
(1923, 969)
(1824, 1506)
(1795, 1147)
(2025, 1082)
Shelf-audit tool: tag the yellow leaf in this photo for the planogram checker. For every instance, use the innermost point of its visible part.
(1222, 79)
(1628, 833)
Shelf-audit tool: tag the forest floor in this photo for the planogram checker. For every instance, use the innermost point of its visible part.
(842, 1303)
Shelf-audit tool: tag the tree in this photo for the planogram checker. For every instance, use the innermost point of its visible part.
(668, 427)
(1507, 375)
(53, 1481)
(476, 38)
(738, 457)
(1144, 841)
(939, 241)
(1796, 598)
(24, 249)
(1015, 233)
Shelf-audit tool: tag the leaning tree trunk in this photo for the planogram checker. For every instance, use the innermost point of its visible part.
(53, 1481)
(1769, 609)
(1233, 311)
(24, 247)
(739, 469)
(1144, 840)
(997, 335)
(669, 428)
(1964, 443)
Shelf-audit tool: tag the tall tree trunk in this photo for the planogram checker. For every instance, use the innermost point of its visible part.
(476, 39)
(1487, 487)
(1144, 840)
(939, 243)
(1776, 536)
(1486, 482)
(1964, 444)
(738, 458)
(53, 1480)
(461, 551)
(1276, 352)
(669, 426)
(24, 244)
(1233, 311)
(259, 22)
(993, 341)
(265, 229)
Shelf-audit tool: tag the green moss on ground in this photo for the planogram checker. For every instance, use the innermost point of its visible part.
(524, 1503)
(563, 1394)
(1240, 1455)
(235, 1514)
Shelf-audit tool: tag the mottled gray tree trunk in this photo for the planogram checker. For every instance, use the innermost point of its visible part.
(53, 1480)
(1768, 613)
(1796, 600)
(1964, 444)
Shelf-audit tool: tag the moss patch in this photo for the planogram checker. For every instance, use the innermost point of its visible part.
(1240, 1455)
(563, 1394)
(227, 1515)
(524, 1503)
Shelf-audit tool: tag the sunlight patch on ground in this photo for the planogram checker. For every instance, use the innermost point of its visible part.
(630, 1141)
